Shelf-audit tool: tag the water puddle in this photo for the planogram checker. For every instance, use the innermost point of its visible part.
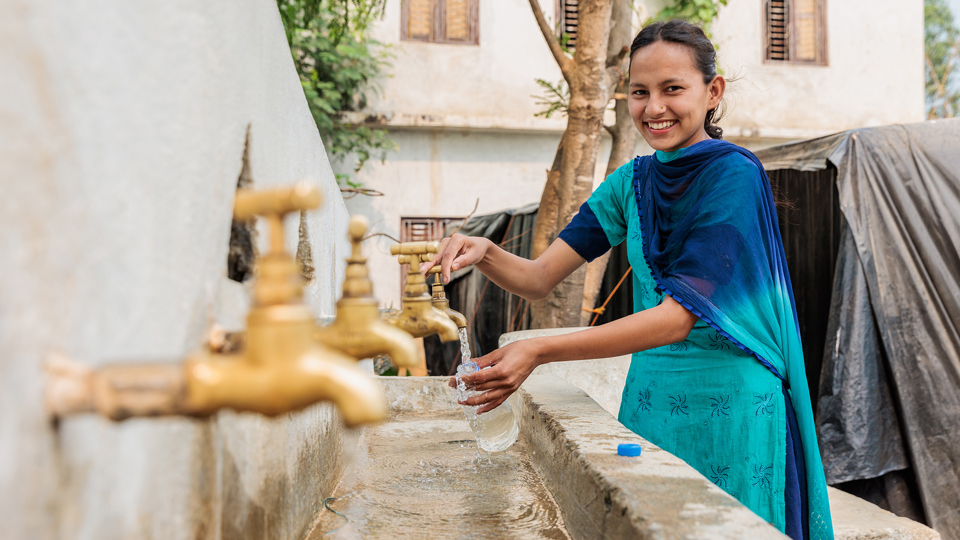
(421, 476)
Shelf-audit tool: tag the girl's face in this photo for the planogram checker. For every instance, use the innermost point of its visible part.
(668, 99)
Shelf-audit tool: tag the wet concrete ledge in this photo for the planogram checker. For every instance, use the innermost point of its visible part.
(603, 495)
(602, 380)
(655, 495)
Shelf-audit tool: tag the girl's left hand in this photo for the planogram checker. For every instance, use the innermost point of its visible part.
(510, 366)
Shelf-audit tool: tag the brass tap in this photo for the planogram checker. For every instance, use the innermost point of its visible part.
(358, 329)
(417, 315)
(441, 302)
(281, 367)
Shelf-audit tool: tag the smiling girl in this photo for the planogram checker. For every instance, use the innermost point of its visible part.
(717, 375)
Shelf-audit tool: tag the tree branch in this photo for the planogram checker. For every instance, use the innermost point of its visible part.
(616, 59)
(613, 79)
(562, 59)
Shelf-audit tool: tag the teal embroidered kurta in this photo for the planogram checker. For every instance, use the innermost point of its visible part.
(705, 399)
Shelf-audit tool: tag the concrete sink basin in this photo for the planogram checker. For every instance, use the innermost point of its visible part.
(418, 476)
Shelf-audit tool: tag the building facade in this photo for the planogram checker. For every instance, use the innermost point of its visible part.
(461, 97)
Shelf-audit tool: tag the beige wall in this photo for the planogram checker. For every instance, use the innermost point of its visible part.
(443, 173)
(122, 127)
(489, 82)
(874, 74)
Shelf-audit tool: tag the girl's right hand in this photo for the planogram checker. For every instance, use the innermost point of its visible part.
(456, 252)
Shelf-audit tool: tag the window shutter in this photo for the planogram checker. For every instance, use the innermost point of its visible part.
(795, 31)
(777, 30)
(457, 20)
(419, 19)
(440, 21)
(569, 18)
(805, 16)
(416, 229)
(422, 229)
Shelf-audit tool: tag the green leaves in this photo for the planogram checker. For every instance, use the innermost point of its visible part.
(942, 51)
(339, 69)
(555, 97)
(699, 12)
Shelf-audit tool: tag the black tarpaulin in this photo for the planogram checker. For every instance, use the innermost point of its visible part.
(896, 309)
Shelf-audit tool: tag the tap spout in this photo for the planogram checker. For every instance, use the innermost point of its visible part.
(358, 329)
(374, 337)
(277, 368)
(418, 317)
(208, 382)
(441, 302)
(320, 374)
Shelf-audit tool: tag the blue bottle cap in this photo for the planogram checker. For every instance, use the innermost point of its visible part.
(628, 450)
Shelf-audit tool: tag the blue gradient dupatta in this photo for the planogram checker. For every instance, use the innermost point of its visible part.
(712, 242)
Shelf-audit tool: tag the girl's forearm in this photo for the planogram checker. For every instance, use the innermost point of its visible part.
(655, 327)
(511, 273)
(530, 279)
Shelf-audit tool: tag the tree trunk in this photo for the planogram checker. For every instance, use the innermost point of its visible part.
(623, 133)
(587, 77)
(549, 208)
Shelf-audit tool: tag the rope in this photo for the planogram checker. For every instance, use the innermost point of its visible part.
(599, 311)
(513, 322)
(325, 505)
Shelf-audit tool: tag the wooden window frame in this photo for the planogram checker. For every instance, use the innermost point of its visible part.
(438, 226)
(438, 30)
(821, 25)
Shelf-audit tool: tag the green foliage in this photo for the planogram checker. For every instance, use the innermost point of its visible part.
(338, 67)
(942, 49)
(556, 97)
(699, 12)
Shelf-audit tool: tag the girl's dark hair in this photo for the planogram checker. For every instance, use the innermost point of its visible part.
(704, 56)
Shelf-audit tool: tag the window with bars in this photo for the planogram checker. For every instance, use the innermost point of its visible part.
(440, 21)
(795, 31)
(422, 229)
(567, 17)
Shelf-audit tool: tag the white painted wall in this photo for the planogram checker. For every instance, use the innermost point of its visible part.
(443, 173)
(874, 74)
(122, 126)
(489, 82)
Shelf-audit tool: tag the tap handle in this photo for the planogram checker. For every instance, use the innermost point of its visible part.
(414, 260)
(357, 282)
(414, 248)
(357, 229)
(275, 201)
(273, 204)
(435, 272)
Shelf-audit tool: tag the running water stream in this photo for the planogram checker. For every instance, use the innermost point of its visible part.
(495, 430)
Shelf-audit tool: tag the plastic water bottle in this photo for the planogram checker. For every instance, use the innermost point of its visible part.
(495, 430)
